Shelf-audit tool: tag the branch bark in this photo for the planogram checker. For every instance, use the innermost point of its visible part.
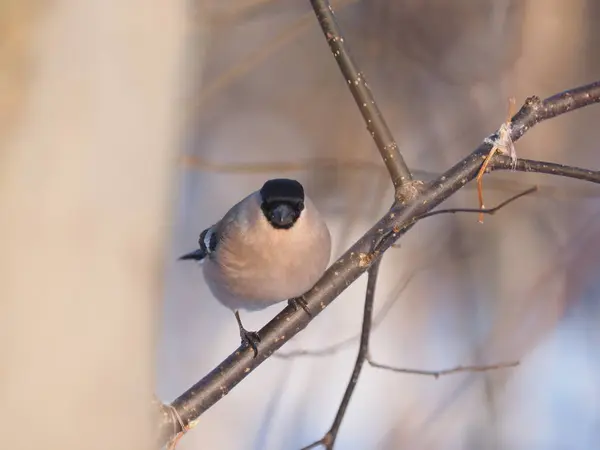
(357, 83)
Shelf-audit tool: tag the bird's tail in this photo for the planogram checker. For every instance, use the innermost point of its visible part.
(197, 255)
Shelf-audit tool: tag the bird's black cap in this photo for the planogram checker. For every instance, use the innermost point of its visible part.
(282, 202)
(282, 190)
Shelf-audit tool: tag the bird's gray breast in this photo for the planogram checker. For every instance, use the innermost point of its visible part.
(256, 266)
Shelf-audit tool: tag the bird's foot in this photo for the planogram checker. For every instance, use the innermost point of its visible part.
(298, 303)
(251, 339)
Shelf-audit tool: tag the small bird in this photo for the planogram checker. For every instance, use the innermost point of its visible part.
(270, 247)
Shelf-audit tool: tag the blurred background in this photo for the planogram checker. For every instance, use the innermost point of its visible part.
(90, 94)
(128, 128)
(523, 286)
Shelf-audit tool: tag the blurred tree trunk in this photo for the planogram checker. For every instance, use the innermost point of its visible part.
(88, 140)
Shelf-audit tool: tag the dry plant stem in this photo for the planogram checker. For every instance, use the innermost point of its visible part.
(172, 412)
(328, 440)
(362, 254)
(486, 161)
(355, 79)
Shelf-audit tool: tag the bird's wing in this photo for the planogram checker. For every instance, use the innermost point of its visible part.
(235, 221)
(207, 242)
(209, 239)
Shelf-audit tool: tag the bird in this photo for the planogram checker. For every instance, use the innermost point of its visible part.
(272, 246)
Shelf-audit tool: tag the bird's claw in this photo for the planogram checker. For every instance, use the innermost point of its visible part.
(298, 303)
(251, 339)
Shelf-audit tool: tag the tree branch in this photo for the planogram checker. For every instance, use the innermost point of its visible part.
(535, 110)
(378, 318)
(357, 83)
(438, 373)
(328, 440)
(489, 211)
(364, 353)
(529, 165)
(362, 255)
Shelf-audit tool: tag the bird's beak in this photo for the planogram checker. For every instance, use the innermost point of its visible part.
(283, 215)
(197, 255)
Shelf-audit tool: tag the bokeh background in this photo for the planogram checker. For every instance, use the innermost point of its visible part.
(90, 95)
(129, 127)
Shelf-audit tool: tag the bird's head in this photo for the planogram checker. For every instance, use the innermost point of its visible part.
(282, 202)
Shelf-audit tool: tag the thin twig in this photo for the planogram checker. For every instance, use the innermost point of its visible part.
(438, 373)
(247, 64)
(489, 211)
(399, 172)
(369, 168)
(328, 440)
(549, 168)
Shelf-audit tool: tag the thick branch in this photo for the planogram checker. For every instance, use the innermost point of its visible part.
(357, 83)
(356, 260)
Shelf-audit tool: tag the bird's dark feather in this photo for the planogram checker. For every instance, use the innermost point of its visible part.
(207, 242)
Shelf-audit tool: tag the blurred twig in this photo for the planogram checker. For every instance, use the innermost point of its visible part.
(278, 166)
(253, 60)
(439, 373)
(249, 63)
(371, 168)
